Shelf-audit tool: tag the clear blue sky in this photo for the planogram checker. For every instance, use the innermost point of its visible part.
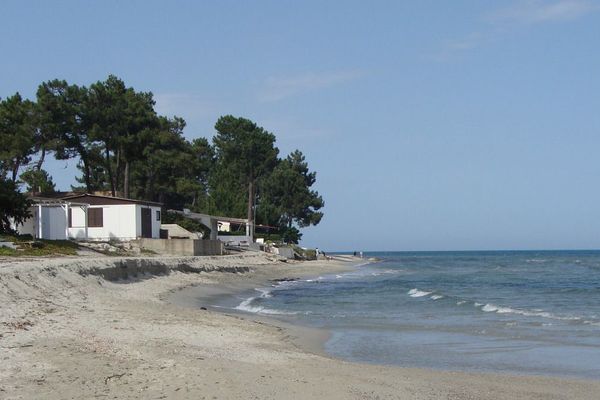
(432, 125)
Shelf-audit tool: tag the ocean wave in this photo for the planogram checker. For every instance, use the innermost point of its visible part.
(497, 309)
(247, 305)
(417, 293)
(527, 313)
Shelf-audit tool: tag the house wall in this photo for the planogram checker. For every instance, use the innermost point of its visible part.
(29, 227)
(120, 222)
(54, 223)
(155, 222)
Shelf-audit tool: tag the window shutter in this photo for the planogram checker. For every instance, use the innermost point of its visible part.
(95, 217)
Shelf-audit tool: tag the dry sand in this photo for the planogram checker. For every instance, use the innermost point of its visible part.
(68, 330)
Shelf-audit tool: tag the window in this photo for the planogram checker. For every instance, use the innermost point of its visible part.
(95, 217)
(158, 215)
(70, 217)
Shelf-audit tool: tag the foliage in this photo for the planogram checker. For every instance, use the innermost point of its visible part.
(65, 126)
(38, 181)
(290, 235)
(18, 122)
(287, 196)
(13, 205)
(118, 117)
(245, 152)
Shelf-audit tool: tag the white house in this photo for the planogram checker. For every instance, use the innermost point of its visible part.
(113, 218)
(92, 217)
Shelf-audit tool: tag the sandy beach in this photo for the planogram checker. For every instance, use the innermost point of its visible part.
(89, 327)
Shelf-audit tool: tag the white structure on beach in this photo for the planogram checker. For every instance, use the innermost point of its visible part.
(92, 217)
(113, 218)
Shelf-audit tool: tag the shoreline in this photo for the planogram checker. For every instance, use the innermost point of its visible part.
(309, 339)
(68, 332)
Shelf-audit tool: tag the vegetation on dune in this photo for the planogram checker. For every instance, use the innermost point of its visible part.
(26, 247)
(122, 146)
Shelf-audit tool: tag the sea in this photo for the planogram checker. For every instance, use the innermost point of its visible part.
(514, 312)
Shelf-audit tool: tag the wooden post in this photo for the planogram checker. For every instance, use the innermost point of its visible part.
(40, 224)
(67, 220)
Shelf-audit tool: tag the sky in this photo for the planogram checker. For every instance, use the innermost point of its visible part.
(458, 125)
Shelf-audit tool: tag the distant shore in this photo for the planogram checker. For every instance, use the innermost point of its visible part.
(70, 328)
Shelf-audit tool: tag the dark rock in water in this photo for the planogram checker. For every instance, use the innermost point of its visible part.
(285, 280)
(203, 308)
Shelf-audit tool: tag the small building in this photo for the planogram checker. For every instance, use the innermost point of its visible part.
(112, 218)
(91, 217)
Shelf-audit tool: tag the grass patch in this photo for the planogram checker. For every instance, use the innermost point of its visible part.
(27, 247)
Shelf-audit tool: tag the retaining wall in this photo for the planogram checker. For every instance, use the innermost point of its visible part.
(182, 247)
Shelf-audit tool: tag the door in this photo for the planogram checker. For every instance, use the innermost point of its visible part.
(146, 222)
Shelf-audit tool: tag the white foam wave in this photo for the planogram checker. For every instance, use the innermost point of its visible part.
(264, 293)
(436, 297)
(247, 306)
(417, 293)
(507, 310)
(461, 302)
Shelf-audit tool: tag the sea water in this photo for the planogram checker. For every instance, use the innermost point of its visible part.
(521, 312)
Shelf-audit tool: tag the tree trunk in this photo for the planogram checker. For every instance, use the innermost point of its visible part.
(83, 156)
(117, 174)
(110, 174)
(42, 158)
(251, 206)
(15, 170)
(126, 180)
(86, 176)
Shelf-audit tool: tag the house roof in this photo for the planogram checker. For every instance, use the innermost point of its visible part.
(52, 202)
(100, 200)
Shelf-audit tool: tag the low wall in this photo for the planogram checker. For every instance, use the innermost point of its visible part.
(182, 247)
(235, 240)
(283, 251)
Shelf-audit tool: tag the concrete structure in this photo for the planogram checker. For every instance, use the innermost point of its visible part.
(283, 251)
(49, 219)
(183, 247)
(212, 222)
(113, 218)
(175, 231)
(235, 240)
